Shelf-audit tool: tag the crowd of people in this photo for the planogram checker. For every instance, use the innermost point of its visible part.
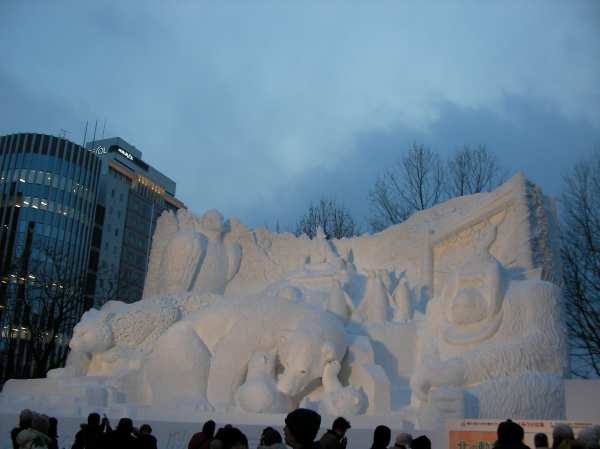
(511, 435)
(38, 431)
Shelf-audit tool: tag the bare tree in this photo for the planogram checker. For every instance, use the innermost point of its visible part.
(415, 183)
(335, 221)
(50, 299)
(581, 264)
(473, 171)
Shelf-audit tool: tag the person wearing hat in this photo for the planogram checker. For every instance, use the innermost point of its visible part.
(301, 428)
(335, 438)
(403, 440)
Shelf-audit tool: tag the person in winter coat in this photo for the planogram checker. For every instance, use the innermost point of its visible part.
(301, 428)
(145, 439)
(92, 435)
(53, 432)
(24, 423)
(201, 440)
(122, 437)
(335, 438)
(270, 438)
(510, 436)
(381, 437)
(421, 442)
(36, 436)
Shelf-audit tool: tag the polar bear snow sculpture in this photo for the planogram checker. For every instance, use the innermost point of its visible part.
(303, 337)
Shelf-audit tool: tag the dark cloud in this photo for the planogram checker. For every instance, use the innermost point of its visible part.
(257, 109)
(526, 135)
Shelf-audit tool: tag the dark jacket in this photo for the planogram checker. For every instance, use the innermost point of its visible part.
(331, 440)
(145, 441)
(90, 438)
(13, 436)
(121, 440)
(199, 441)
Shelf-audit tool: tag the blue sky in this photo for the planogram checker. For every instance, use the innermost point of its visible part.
(257, 108)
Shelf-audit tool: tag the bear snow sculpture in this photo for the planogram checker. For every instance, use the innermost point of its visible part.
(303, 338)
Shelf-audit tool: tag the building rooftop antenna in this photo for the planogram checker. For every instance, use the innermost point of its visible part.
(85, 133)
(95, 127)
(103, 128)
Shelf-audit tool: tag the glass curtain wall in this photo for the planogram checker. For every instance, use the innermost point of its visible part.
(48, 189)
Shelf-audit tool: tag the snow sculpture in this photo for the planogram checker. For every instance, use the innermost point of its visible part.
(235, 319)
(403, 310)
(338, 400)
(169, 388)
(303, 338)
(259, 394)
(339, 303)
(376, 304)
(115, 339)
(195, 256)
(500, 340)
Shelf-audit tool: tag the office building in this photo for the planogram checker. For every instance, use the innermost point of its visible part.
(76, 227)
(48, 189)
(131, 197)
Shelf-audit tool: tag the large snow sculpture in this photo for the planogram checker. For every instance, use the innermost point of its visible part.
(454, 312)
(500, 340)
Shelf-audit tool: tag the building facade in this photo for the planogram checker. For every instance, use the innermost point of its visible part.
(48, 188)
(131, 197)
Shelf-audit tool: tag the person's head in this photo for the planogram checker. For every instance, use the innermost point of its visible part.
(301, 427)
(208, 429)
(40, 423)
(125, 425)
(540, 440)
(421, 442)
(509, 432)
(52, 427)
(93, 420)
(381, 437)
(560, 433)
(269, 437)
(145, 429)
(340, 426)
(590, 436)
(25, 418)
(231, 438)
(403, 440)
